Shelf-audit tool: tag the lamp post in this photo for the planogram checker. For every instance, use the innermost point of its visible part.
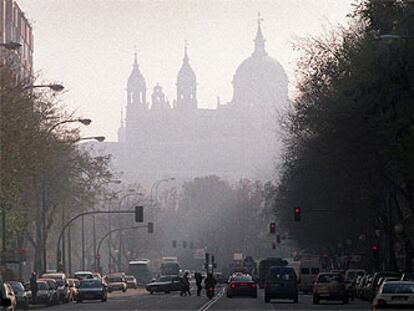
(56, 87)
(156, 185)
(11, 45)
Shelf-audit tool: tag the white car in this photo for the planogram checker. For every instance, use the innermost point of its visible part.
(394, 294)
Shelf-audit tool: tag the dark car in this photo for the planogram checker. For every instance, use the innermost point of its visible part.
(241, 285)
(22, 296)
(93, 289)
(131, 281)
(62, 289)
(166, 284)
(45, 294)
(281, 283)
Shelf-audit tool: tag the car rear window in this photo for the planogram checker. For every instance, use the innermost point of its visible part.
(90, 284)
(304, 270)
(315, 270)
(114, 279)
(42, 286)
(330, 278)
(281, 275)
(398, 288)
(242, 278)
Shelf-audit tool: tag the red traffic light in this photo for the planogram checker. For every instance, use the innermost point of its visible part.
(272, 228)
(375, 248)
(297, 211)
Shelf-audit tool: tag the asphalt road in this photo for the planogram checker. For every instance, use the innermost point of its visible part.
(141, 300)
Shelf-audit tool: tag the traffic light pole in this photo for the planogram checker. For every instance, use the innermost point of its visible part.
(98, 256)
(58, 251)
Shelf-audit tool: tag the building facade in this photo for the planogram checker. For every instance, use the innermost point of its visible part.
(15, 27)
(235, 140)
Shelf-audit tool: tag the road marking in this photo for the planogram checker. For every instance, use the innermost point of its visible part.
(210, 303)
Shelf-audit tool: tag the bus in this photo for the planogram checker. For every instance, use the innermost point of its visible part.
(170, 266)
(141, 269)
(264, 267)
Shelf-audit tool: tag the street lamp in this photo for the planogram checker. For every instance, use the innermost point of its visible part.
(53, 86)
(97, 138)
(156, 185)
(11, 45)
(80, 120)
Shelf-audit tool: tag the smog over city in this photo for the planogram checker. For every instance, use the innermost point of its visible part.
(176, 154)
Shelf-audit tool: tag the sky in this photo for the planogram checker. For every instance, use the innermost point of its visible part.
(88, 45)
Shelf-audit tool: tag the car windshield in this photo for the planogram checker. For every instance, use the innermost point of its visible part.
(90, 284)
(17, 287)
(398, 288)
(42, 286)
(330, 278)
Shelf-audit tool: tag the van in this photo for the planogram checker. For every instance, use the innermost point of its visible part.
(281, 283)
(308, 271)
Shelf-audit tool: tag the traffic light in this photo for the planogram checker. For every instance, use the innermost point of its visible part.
(375, 253)
(297, 213)
(174, 244)
(273, 245)
(272, 228)
(150, 227)
(278, 239)
(139, 214)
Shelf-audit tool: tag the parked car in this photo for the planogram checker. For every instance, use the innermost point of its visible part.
(241, 285)
(73, 289)
(330, 286)
(23, 297)
(131, 281)
(62, 285)
(166, 284)
(375, 282)
(52, 289)
(394, 294)
(281, 283)
(367, 288)
(9, 293)
(92, 289)
(116, 282)
(350, 278)
(45, 294)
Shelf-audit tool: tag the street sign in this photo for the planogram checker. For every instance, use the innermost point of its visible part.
(237, 256)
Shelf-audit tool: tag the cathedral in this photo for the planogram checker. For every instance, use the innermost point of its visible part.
(235, 140)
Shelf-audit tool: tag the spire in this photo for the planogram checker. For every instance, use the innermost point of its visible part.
(135, 57)
(259, 42)
(185, 59)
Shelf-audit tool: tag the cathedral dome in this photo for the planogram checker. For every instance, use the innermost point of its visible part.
(136, 79)
(260, 79)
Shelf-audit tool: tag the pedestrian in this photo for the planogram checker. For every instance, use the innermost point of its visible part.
(199, 281)
(186, 285)
(33, 286)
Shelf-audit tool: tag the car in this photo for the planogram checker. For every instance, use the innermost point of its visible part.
(92, 289)
(394, 294)
(166, 284)
(131, 281)
(81, 275)
(241, 285)
(62, 285)
(52, 289)
(22, 296)
(330, 286)
(116, 282)
(73, 289)
(375, 282)
(281, 283)
(350, 278)
(9, 293)
(45, 294)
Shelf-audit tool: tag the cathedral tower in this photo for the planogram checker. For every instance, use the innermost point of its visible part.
(186, 85)
(136, 88)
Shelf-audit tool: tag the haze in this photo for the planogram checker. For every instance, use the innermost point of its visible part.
(88, 45)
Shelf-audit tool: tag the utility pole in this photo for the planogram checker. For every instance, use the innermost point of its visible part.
(69, 252)
(83, 242)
